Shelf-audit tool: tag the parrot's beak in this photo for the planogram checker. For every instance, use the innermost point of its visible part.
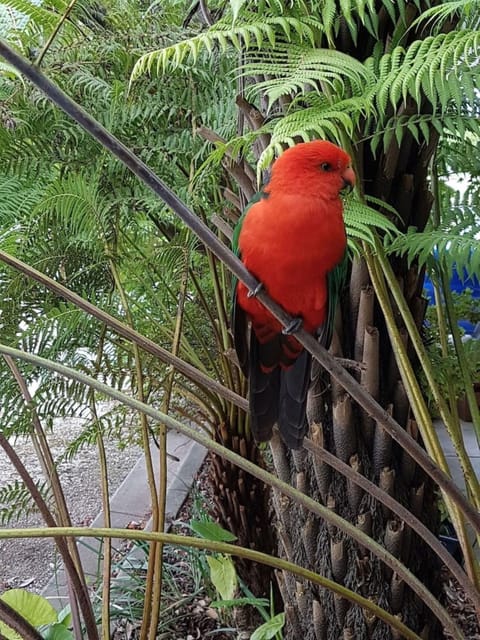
(348, 177)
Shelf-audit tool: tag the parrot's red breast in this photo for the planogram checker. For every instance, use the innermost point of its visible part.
(295, 235)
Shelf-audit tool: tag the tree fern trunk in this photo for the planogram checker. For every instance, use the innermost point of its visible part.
(342, 428)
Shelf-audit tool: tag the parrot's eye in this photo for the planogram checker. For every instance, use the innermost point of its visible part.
(326, 166)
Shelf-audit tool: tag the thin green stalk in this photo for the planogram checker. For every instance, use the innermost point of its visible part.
(147, 611)
(54, 33)
(107, 519)
(107, 544)
(300, 498)
(453, 320)
(471, 479)
(443, 334)
(460, 351)
(157, 549)
(219, 292)
(242, 552)
(222, 318)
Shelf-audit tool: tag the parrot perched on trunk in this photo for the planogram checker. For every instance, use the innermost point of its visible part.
(291, 237)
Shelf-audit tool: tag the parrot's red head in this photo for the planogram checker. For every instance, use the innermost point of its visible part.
(313, 169)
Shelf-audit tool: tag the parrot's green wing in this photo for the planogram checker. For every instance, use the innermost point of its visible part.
(335, 283)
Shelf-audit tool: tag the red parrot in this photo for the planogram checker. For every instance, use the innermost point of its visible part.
(291, 237)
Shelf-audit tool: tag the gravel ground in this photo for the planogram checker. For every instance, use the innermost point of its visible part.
(32, 562)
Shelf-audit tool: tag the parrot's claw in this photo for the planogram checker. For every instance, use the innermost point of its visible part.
(253, 293)
(293, 327)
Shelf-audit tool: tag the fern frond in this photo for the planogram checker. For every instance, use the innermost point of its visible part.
(323, 119)
(223, 34)
(362, 223)
(458, 247)
(295, 68)
(429, 67)
(451, 125)
(16, 501)
(18, 12)
(444, 11)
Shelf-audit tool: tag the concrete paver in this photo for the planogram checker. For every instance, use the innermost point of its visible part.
(471, 446)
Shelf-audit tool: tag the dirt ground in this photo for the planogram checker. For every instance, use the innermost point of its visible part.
(31, 563)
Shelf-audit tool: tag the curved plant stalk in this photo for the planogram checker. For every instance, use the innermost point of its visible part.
(78, 586)
(49, 468)
(107, 543)
(460, 351)
(443, 333)
(471, 479)
(54, 33)
(303, 500)
(453, 323)
(156, 552)
(233, 550)
(377, 269)
(147, 611)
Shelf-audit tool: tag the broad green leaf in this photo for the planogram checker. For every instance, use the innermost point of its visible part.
(58, 632)
(269, 629)
(34, 608)
(223, 576)
(211, 531)
(65, 616)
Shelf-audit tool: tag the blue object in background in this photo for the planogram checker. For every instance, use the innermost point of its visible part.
(458, 284)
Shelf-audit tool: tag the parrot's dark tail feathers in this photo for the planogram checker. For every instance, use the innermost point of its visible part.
(263, 391)
(294, 385)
